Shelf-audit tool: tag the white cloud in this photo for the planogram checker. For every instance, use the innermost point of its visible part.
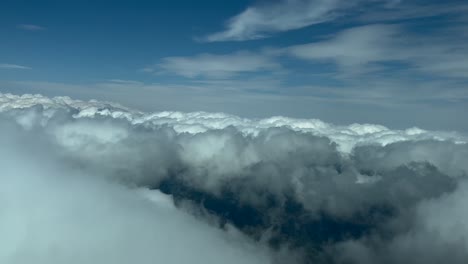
(30, 27)
(439, 225)
(94, 161)
(363, 49)
(260, 20)
(353, 47)
(401, 10)
(13, 66)
(197, 122)
(54, 212)
(264, 19)
(215, 66)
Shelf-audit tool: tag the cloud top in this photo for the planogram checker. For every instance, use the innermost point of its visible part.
(198, 122)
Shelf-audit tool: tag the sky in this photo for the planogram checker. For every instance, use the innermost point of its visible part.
(398, 63)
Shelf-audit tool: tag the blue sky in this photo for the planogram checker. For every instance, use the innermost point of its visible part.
(397, 63)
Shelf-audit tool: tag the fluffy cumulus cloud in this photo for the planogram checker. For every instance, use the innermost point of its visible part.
(98, 182)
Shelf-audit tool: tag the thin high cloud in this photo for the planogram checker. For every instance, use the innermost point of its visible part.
(263, 20)
(375, 51)
(379, 49)
(373, 61)
(367, 48)
(401, 10)
(31, 27)
(215, 65)
(13, 66)
(259, 21)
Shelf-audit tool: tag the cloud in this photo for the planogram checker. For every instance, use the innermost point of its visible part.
(383, 65)
(54, 212)
(403, 10)
(437, 225)
(260, 20)
(215, 66)
(13, 66)
(196, 122)
(317, 191)
(416, 102)
(352, 47)
(266, 18)
(331, 173)
(373, 48)
(30, 27)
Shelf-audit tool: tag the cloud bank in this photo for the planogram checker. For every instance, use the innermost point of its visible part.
(125, 186)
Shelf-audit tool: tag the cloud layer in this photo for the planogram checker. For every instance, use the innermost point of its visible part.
(90, 176)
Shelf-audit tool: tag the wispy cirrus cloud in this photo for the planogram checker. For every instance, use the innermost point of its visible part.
(402, 10)
(259, 21)
(377, 47)
(30, 27)
(216, 66)
(263, 20)
(13, 66)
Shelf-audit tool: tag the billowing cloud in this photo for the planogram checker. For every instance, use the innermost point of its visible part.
(54, 212)
(438, 234)
(114, 182)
